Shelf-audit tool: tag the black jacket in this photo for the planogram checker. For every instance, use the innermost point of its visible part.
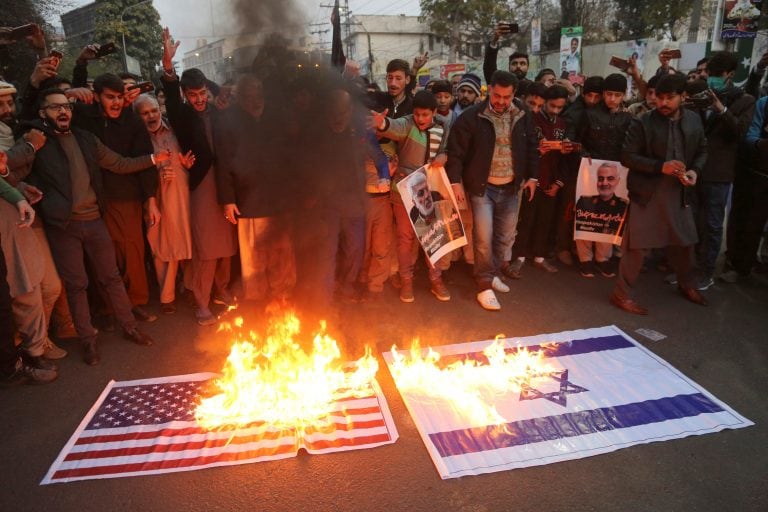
(602, 133)
(725, 135)
(251, 168)
(471, 143)
(51, 174)
(126, 136)
(645, 151)
(189, 128)
(489, 61)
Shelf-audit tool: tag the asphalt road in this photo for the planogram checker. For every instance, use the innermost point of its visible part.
(723, 347)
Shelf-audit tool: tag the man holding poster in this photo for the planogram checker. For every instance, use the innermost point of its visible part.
(600, 217)
(434, 215)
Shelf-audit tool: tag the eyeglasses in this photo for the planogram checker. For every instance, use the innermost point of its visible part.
(56, 107)
(606, 178)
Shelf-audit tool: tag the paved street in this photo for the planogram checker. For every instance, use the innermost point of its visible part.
(723, 347)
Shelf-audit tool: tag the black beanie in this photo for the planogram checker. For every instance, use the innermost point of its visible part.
(615, 83)
(593, 84)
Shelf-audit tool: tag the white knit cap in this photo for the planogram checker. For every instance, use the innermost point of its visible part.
(6, 88)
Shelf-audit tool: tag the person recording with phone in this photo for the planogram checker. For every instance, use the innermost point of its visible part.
(726, 111)
(518, 61)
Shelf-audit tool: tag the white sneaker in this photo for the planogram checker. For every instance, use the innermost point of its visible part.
(488, 300)
(499, 285)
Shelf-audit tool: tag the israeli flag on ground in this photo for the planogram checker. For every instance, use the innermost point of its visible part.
(608, 393)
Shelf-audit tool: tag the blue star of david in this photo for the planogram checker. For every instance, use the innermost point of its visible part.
(559, 397)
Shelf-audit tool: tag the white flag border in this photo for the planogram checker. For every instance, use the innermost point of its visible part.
(565, 336)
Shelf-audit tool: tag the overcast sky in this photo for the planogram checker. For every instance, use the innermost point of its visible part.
(190, 20)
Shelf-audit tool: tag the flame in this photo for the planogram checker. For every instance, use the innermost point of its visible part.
(277, 382)
(467, 385)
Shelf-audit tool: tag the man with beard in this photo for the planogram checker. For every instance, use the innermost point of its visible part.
(468, 92)
(20, 156)
(493, 151)
(603, 132)
(726, 123)
(67, 171)
(251, 181)
(214, 238)
(604, 214)
(170, 238)
(121, 130)
(518, 61)
(665, 151)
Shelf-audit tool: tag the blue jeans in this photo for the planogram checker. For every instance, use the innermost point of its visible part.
(494, 231)
(713, 197)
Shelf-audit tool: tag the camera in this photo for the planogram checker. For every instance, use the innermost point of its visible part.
(699, 100)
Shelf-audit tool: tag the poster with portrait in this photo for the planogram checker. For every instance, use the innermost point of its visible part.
(431, 206)
(636, 49)
(570, 51)
(602, 201)
(741, 19)
(536, 35)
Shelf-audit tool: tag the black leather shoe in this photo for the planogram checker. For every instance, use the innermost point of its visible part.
(143, 315)
(138, 337)
(628, 305)
(91, 354)
(693, 295)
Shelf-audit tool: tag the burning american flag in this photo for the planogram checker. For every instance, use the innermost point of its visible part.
(272, 399)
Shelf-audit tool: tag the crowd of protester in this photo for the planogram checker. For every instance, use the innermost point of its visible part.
(282, 186)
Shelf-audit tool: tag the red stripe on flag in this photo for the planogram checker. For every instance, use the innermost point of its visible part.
(355, 441)
(170, 464)
(200, 445)
(173, 432)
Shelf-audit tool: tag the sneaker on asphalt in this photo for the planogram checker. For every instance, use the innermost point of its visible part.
(671, 279)
(565, 257)
(545, 266)
(406, 290)
(488, 300)
(587, 269)
(25, 374)
(167, 308)
(730, 276)
(53, 351)
(205, 317)
(512, 270)
(606, 268)
(705, 283)
(499, 285)
(439, 290)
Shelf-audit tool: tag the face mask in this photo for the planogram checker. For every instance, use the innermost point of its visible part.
(716, 83)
